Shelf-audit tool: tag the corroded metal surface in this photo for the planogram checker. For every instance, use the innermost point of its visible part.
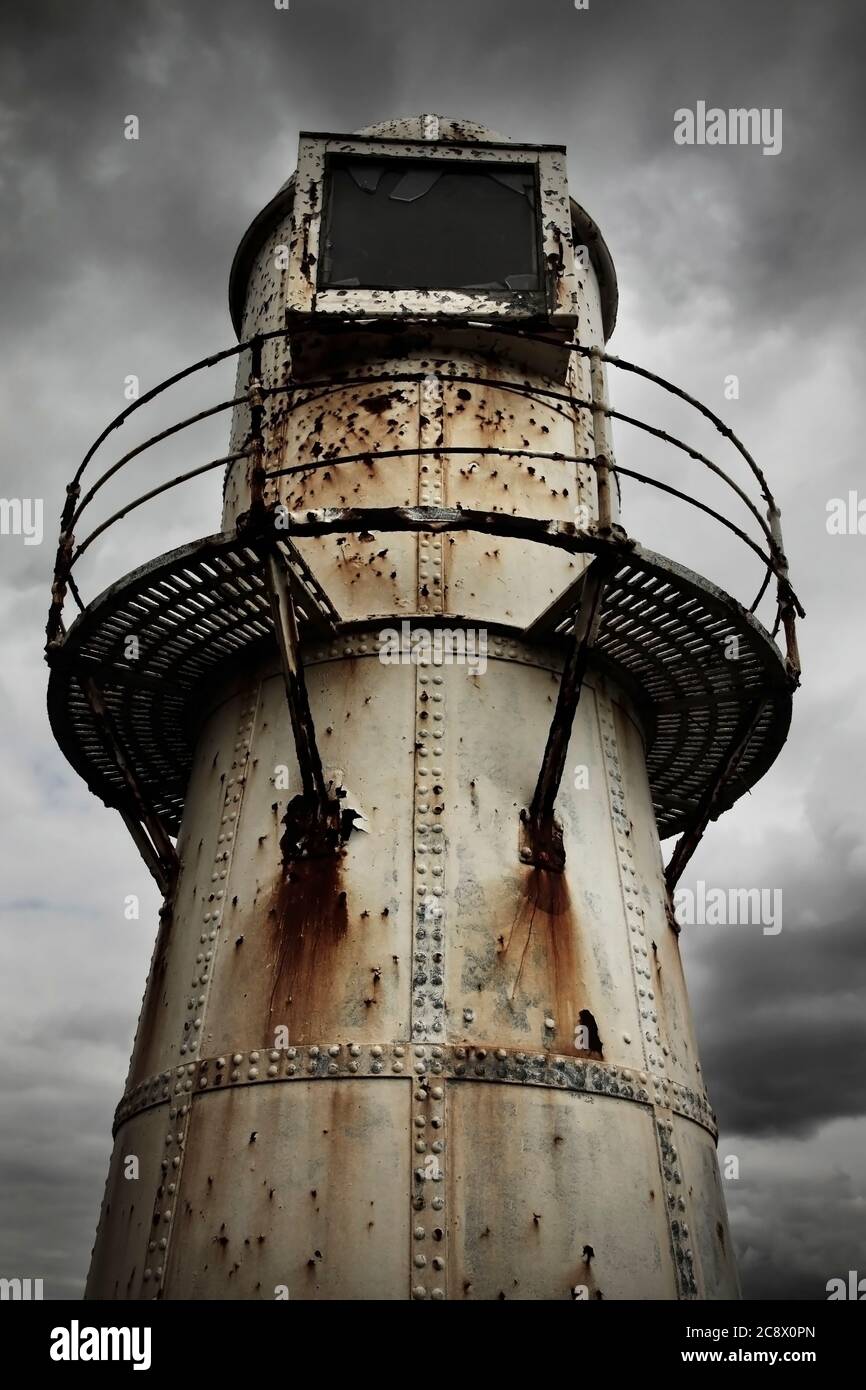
(427, 929)
(305, 295)
(267, 229)
(420, 1064)
(407, 1061)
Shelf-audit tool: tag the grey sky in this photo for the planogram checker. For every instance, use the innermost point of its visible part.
(115, 257)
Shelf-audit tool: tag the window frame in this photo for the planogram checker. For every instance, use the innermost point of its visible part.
(555, 303)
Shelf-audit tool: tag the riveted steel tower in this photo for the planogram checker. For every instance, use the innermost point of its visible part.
(399, 744)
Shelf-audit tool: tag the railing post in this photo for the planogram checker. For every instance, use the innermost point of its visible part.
(787, 604)
(65, 544)
(256, 437)
(601, 438)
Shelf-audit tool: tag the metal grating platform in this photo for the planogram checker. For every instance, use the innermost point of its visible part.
(193, 610)
(662, 636)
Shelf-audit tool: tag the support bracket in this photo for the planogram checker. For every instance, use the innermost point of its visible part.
(144, 825)
(314, 819)
(541, 836)
(688, 843)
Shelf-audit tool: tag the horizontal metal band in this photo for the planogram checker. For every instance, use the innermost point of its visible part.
(360, 639)
(407, 1061)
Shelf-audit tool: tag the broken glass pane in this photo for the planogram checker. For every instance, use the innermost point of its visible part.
(418, 224)
(366, 174)
(517, 182)
(415, 184)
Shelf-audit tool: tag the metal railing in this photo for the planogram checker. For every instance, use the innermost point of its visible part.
(767, 543)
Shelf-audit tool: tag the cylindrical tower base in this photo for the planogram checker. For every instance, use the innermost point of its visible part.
(423, 1068)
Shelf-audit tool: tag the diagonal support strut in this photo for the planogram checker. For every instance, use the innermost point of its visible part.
(313, 819)
(541, 838)
(146, 828)
(688, 843)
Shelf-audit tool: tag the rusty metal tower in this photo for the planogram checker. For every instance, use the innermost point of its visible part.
(416, 1024)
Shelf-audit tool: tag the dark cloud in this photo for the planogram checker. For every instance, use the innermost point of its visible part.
(114, 257)
(786, 1020)
(796, 1210)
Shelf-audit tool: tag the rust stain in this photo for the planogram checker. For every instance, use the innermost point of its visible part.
(309, 922)
(377, 405)
(546, 925)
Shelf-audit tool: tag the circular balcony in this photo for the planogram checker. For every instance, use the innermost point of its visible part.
(663, 632)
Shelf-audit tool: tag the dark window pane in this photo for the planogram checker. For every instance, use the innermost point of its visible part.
(404, 224)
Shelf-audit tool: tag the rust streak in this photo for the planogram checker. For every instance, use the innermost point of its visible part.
(545, 910)
(309, 922)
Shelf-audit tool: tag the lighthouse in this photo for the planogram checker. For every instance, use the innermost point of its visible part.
(399, 743)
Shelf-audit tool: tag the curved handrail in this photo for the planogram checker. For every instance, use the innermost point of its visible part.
(544, 393)
(624, 365)
(154, 492)
(141, 448)
(562, 402)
